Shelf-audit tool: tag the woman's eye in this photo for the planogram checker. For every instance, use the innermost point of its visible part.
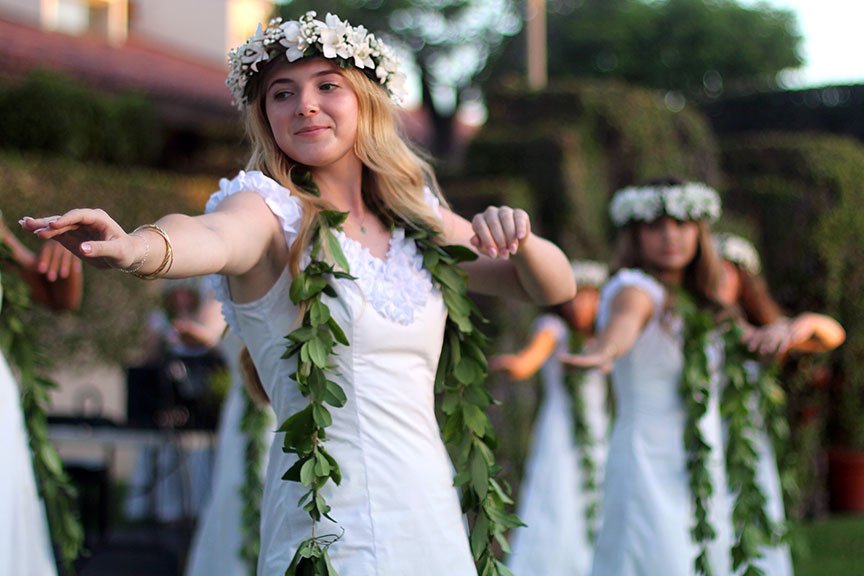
(282, 95)
(328, 86)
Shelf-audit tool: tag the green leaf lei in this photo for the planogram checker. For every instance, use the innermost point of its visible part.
(253, 424)
(20, 349)
(574, 381)
(459, 385)
(752, 525)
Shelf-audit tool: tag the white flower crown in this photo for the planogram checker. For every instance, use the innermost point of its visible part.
(739, 251)
(689, 201)
(333, 38)
(589, 272)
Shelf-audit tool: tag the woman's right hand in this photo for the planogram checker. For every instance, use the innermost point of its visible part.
(90, 234)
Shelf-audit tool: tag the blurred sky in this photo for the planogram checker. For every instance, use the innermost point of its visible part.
(833, 45)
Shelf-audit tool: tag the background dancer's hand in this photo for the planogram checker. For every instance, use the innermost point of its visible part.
(499, 231)
(91, 235)
(591, 356)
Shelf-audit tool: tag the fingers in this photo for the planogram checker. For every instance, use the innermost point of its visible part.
(499, 231)
(54, 261)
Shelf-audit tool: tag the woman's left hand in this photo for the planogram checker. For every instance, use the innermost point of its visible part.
(499, 231)
(771, 339)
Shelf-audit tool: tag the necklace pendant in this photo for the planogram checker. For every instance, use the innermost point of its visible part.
(362, 229)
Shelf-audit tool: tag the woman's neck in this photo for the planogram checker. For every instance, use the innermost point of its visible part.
(669, 277)
(342, 186)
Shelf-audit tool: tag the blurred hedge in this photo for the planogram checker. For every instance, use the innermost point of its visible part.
(110, 324)
(577, 142)
(57, 115)
(803, 193)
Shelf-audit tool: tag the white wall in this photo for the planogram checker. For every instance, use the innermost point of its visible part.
(205, 28)
(25, 11)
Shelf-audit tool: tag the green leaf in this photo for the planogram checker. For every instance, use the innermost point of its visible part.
(336, 251)
(334, 395)
(333, 218)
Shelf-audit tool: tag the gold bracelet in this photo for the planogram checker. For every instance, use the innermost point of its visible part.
(136, 266)
(167, 260)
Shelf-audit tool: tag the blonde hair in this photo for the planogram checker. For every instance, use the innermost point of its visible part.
(394, 173)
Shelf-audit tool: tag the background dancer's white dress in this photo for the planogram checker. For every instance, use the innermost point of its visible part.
(219, 534)
(647, 503)
(25, 544)
(552, 501)
(396, 503)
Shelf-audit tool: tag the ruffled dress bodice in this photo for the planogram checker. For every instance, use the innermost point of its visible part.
(396, 504)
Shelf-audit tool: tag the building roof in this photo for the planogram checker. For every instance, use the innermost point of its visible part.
(184, 89)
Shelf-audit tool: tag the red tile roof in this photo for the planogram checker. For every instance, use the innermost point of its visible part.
(180, 82)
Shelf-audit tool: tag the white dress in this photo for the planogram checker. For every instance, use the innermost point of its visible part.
(219, 534)
(648, 510)
(552, 501)
(25, 544)
(396, 504)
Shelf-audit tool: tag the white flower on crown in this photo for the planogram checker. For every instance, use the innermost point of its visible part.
(690, 201)
(738, 250)
(589, 272)
(333, 39)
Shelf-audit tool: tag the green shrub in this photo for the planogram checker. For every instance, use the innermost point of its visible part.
(56, 115)
(112, 320)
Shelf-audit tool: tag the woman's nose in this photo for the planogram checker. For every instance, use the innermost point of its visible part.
(307, 108)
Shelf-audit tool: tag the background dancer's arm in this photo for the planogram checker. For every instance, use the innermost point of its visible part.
(527, 361)
(630, 311)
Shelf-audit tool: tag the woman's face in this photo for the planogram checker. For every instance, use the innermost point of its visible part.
(668, 245)
(312, 112)
(581, 312)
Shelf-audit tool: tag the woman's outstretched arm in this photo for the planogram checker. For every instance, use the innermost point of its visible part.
(631, 309)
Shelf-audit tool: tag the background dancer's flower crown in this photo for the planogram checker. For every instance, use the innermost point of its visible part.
(295, 39)
(589, 272)
(738, 250)
(689, 201)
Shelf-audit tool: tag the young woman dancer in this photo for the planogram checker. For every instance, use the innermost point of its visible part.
(743, 287)
(54, 280)
(332, 189)
(665, 256)
(559, 499)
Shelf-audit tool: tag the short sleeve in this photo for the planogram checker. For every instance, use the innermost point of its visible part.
(284, 206)
(624, 278)
(553, 323)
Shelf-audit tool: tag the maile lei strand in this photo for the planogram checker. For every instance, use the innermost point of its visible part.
(574, 382)
(459, 385)
(19, 347)
(753, 528)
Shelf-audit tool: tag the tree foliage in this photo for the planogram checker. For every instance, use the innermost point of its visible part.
(706, 47)
(449, 42)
